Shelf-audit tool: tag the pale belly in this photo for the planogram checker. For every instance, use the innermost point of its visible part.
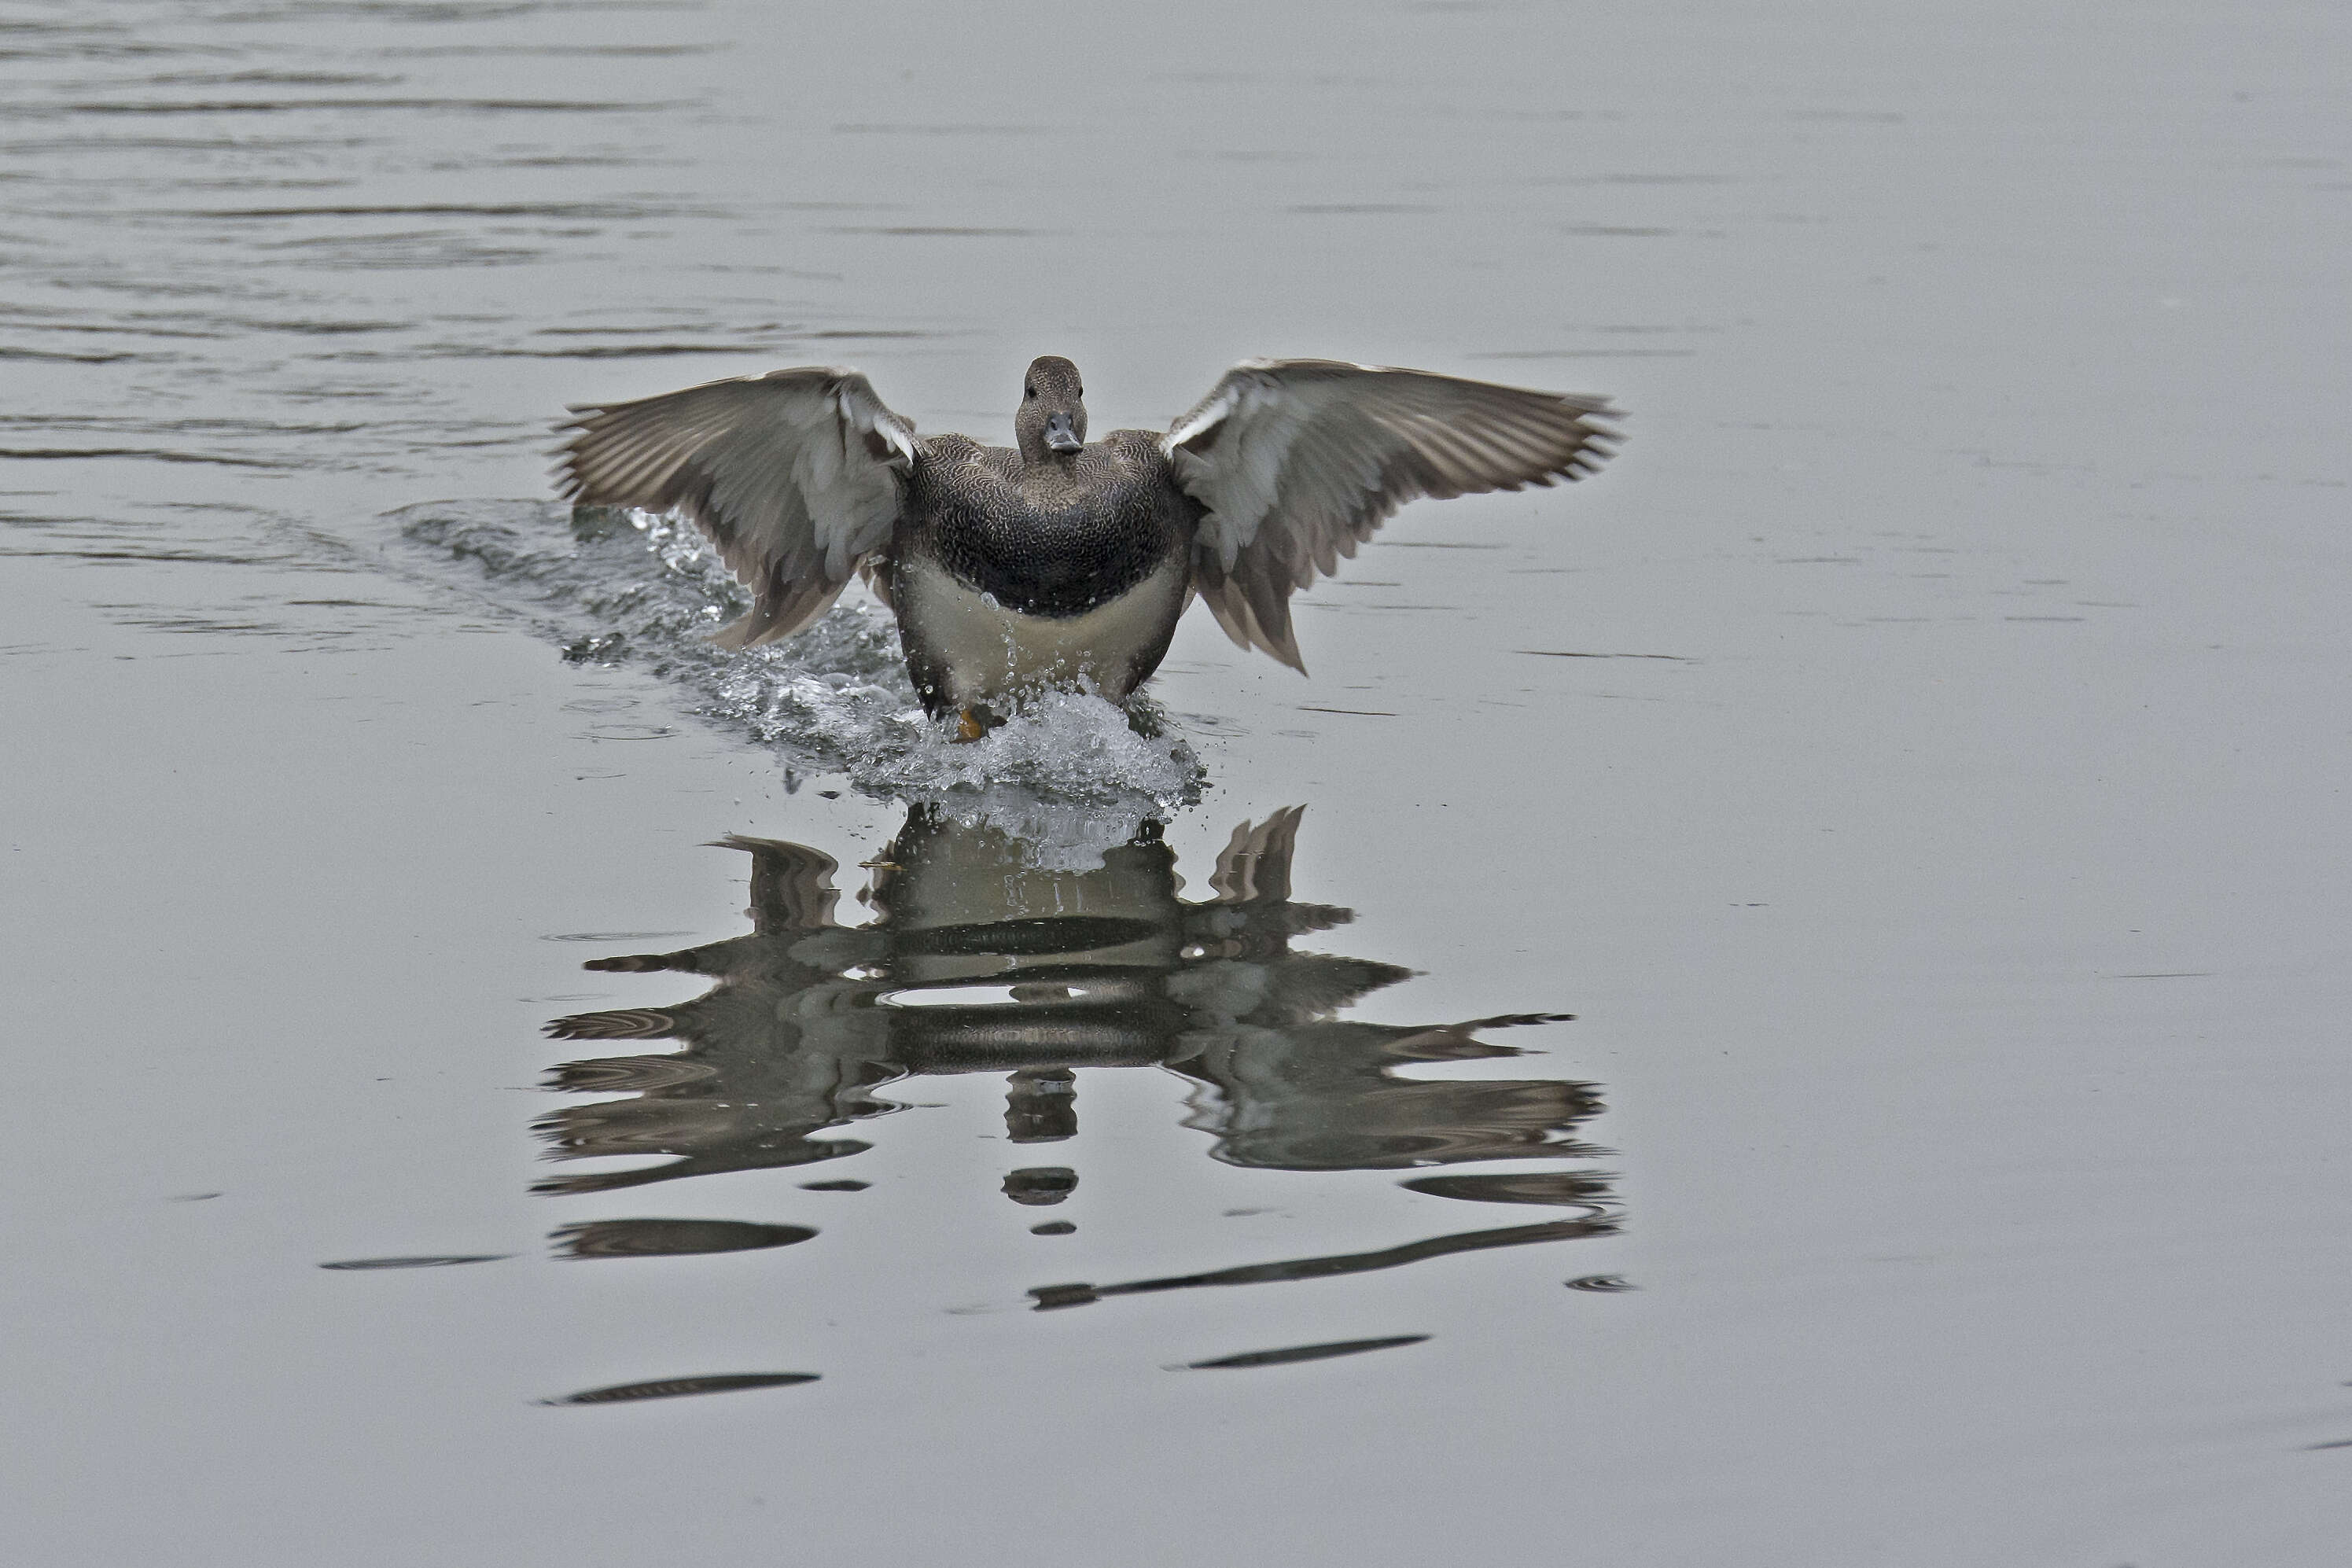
(985, 650)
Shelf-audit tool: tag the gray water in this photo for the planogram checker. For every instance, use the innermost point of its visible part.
(1917, 762)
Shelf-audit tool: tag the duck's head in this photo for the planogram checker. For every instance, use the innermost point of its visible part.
(1052, 422)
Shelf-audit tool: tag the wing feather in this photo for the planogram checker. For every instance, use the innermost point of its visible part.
(796, 476)
(1297, 462)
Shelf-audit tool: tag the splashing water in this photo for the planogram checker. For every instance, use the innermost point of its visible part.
(1069, 774)
(1041, 778)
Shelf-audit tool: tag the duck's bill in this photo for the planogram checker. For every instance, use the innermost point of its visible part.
(1060, 435)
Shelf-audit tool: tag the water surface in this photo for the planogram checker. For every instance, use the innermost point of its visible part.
(1915, 762)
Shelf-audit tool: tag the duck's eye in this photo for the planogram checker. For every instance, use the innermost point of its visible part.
(1029, 391)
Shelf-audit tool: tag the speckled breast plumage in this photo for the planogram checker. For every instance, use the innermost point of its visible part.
(1118, 524)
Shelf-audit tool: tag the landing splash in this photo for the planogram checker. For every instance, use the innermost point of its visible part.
(1068, 773)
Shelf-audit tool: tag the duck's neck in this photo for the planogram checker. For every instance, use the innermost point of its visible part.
(1049, 474)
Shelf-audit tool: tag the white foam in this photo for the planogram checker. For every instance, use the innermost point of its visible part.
(1069, 773)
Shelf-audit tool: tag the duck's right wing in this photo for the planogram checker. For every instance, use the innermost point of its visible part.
(796, 476)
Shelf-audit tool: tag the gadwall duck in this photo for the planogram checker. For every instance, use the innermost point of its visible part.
(1065, 561)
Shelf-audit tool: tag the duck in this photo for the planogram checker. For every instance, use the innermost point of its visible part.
(1062, 562)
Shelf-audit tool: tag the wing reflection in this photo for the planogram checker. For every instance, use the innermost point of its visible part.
(980, 960)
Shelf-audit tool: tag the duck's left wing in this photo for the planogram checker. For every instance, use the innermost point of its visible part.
(1298, 462)
(796, 476)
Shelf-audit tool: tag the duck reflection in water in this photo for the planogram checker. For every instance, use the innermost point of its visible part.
(979, 960)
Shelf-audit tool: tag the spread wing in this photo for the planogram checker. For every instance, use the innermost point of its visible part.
(1299, 461)
(796, 476)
